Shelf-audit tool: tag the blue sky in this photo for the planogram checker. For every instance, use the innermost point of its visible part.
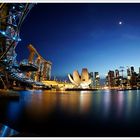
(75, 36)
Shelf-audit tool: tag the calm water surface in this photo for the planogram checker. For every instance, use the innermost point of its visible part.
(74, 113)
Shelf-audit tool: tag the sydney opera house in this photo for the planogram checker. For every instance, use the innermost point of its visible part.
(80, 81)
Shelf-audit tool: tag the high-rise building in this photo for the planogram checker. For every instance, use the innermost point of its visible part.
(97, 79)
(132, 70)
(116, 79)
(133, 80)
(128, 73)
(117, 73)
(92, 79)
(91, 75)
(111, 82)
(128, 76)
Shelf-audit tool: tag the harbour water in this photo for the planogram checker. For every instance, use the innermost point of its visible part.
(74, 113)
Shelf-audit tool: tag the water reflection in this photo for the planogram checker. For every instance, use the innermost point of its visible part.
(69, 103)
(85, 101)
(13, 110)
(120, 100)
(38, 104)
(106, 103)
(100, 105)
(79, 102)
(129, 99)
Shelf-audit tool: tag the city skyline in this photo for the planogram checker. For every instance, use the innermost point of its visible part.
(82, 42)
(99, 37)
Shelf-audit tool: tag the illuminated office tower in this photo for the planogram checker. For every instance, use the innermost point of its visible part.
(92, 79)
(128, 76)
(97, 79)
(128, 73)
(111, 81)
(133, 80)
(116, 79)
(91, 75)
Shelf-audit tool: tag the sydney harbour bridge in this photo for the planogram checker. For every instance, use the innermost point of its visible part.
(29, 72)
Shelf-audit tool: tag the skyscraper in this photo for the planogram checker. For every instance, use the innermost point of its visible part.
(132, 70)
(111, 82)
(117, 73)
(97, 79)
(92, 79)
(116, 79)
(128, 77)
(128, 73)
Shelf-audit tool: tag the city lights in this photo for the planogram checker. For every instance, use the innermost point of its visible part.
(101, 96)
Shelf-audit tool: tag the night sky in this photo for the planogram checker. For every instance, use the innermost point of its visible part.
(100, 37)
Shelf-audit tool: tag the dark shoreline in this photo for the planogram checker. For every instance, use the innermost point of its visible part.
(79, 89)
(9, 94)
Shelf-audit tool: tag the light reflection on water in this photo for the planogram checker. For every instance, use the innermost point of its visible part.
(105, 103)
(90, 106)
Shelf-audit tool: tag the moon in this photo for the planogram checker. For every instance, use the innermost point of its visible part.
(120, 22)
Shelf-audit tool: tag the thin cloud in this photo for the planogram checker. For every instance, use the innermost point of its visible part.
(131, 36)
